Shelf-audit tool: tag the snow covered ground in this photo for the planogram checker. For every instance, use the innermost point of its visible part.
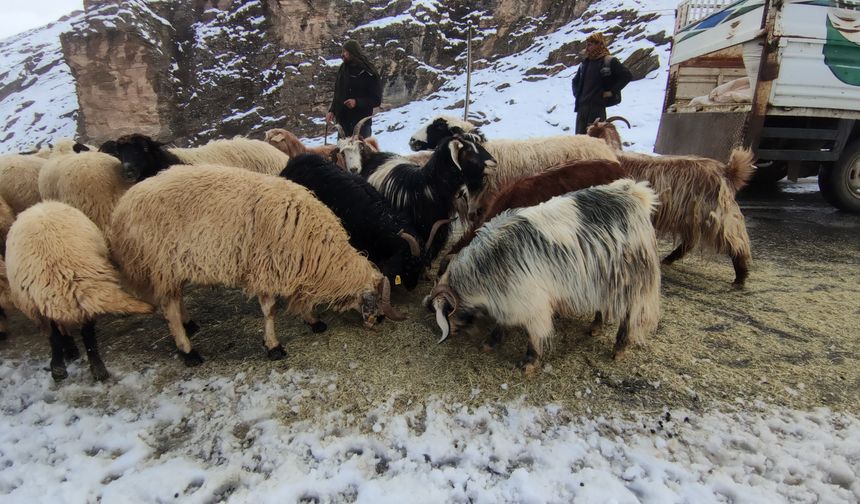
(217, 438)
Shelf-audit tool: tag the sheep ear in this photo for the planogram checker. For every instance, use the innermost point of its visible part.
(277, 137)
(455, 146)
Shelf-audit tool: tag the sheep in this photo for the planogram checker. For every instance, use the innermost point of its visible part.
(143, 157)
(92, 182)
(60, 277)
(215, 225)
(529, 191)
(588, 250)
(62, 147)
(5, 299)
(426, 194)
(373, 227)
(7, 217)
(516, 158)
(19, 180)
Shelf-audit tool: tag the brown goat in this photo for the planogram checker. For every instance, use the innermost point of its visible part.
(290, 144)
(607, 131)
(529, 191)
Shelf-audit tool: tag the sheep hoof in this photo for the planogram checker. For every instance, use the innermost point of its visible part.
(59, 373)
(277, 353)
(191, 358)
(738, 284)
(619, 354)
(318, 327)
(191, 327)
(596, 330)
(99, 372)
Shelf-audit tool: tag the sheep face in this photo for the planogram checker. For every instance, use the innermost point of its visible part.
(368, 307)
(432, 134)
(140, 155)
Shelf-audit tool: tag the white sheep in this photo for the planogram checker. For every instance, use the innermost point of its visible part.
(60, 277)
(92, 182)
(19, 180)
(215, 225)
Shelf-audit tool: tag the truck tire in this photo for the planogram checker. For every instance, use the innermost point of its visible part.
(766, 177)
(840, 182)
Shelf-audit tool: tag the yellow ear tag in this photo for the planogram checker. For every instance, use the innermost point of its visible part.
(397, 280)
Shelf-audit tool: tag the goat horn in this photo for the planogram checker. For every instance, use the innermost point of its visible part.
(434, 230)
(448, 295)
(340, 132)
(358, 126)
(619, 118)
(413, 243)
(387, 309)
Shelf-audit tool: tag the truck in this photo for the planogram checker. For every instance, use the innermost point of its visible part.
(781, 77)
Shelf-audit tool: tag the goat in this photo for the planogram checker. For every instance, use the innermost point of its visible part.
(529, 191)
(586, 251)
(373, 227)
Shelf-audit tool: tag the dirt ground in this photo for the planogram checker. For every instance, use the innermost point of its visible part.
(791, 338)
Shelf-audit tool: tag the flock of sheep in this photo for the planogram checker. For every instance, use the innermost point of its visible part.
(564, 224)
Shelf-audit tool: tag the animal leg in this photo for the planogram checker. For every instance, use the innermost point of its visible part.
(191, 326)
(678, 253)
(2, 324)
(317, 325)
(97, 367)
(275, 350)
(742, 271)
(622, 338)
(58, 364)
(70, 349)
(539, 333)
(596, 328)
(172, 309)
(493, 340)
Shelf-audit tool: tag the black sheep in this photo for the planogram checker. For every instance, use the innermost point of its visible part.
(372, 226)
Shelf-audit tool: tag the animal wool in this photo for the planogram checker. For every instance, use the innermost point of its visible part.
(19, 180)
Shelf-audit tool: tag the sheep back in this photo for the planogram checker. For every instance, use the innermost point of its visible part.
(89, 181)
(58, 267)
(19, 180)
(213, 225)
(254, 155)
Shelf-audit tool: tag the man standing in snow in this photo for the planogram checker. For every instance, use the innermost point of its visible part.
(598, 83)
(356, 91)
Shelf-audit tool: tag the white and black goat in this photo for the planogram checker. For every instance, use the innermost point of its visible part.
(592, 250)
(425, 195)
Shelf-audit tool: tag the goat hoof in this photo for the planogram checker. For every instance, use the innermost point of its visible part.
(59, 373)
(191, 327)
(277, 353)
(191, 358)
(738, 284)
(99, 372)
(595, 330)
(531, 369)
(318, 327)
(619, 354)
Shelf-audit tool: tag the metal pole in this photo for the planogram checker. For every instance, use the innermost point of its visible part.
(468, 72)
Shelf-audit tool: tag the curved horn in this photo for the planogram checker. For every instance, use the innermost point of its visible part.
(387, 309)
(619, 118)
(441, 320)
(413, 243)
(358, 126)
(340, 132)
(436, 225)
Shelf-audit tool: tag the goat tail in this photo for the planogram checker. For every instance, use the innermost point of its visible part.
(740, 168)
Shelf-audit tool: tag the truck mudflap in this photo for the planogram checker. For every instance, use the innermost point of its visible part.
(708, 134)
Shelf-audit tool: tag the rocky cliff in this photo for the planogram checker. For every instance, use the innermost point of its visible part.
(191, 70)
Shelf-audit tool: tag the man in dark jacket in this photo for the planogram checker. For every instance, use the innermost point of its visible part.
(356, 91)
(598, 83)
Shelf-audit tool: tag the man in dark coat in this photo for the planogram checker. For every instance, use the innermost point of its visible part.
(598, 83)
(356, 91)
